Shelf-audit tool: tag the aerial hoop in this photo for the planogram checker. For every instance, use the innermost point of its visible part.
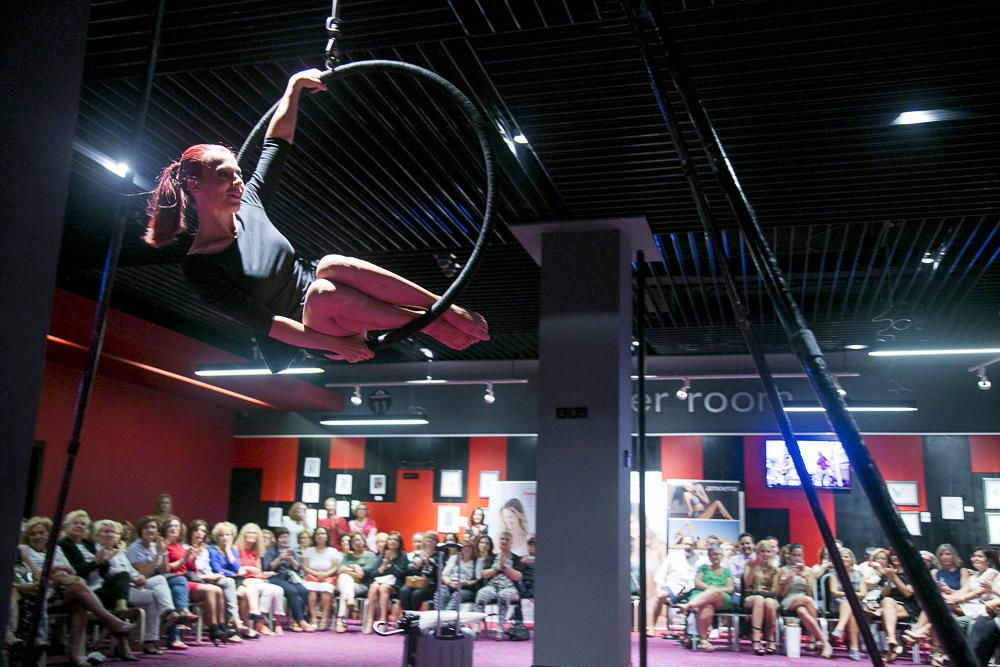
(480, 127)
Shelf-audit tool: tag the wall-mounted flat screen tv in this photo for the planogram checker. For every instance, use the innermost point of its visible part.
(825, 460)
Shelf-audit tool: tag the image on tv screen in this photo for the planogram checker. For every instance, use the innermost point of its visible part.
(825, 460)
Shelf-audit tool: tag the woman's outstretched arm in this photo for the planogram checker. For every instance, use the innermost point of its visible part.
(283, 121)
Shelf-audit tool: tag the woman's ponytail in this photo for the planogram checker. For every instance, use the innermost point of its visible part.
(166, 208)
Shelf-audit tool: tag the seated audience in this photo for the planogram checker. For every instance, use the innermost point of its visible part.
(984, 634)
(387, 579)
(225, 558)
(295, 522)
(421, 575)
(66, 587)
(462, 574)
(164, 509)
(362, 523)
(418, 545)
(845, 619)
(337, 525)
(714, 584)
(760, 586)
(256, 581)
(527, 567)
(305, 541)
(177, 564)
(353, 578)
(345, 543)
(477, 525)
(735, 563)
(152, 594)
(795, 587)
(895, 600)
(320, 563)
(380, 540)
(675, 579)
(207, 584)
(500, 576)
(148, 554)
(288, 574)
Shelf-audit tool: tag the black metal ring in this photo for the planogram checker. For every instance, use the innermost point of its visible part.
(482, 132)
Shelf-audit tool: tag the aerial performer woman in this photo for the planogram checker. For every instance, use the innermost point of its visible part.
(240, 264)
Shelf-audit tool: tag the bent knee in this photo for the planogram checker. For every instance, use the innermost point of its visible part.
(331, 265)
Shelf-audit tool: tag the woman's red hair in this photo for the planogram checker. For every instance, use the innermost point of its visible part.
(168, 205)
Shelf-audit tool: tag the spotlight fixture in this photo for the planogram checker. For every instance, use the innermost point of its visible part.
(356, 396)
(840, 390)
(984, 382)
(489, 396)
(682, 393)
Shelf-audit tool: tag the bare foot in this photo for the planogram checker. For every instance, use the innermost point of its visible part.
(449, 335)
(468, 322)
(349, 348)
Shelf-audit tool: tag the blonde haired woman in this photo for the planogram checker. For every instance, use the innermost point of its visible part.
(225, 558)
(795, 585)
(259, 592)
(66, 585)
(760, 584)
(295, 522)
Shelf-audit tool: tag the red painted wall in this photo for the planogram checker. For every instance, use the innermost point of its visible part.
(802, 527)
(681, 457)
(984, 450)
(278, 458)
(415, 509)
(136, 443)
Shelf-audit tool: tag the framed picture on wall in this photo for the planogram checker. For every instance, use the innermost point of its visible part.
(449, 518)
(274, 515)
(310, 468)
(344, 485)
(912, 522)
(904, 493)
(993, 527)
(310, 492)
(376, 484)
(487, 482)
(451, 484)
(991, 494)
(343, 509)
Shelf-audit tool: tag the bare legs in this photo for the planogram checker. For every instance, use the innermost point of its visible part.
(763, 614)
(845, 621)
(892, 611)
(805, 608)
(381, 595)
(715, 508)
(704, 605)
(661, 602)
(319, 614)
(211, 597)
(351, 296)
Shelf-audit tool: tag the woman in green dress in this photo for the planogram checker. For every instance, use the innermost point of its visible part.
(714, 583)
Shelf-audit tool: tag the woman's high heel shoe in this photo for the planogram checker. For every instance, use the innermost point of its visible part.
(216, 634)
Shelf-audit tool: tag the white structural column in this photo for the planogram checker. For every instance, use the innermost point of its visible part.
(582, 613)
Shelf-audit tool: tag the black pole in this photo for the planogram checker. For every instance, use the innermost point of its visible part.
(714, 239)
(804, 344)
(641, 454)
(96, 338)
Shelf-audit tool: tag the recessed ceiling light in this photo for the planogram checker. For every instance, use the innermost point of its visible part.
(934, 353)
(855, 346)
(520, 139)
(925, 116)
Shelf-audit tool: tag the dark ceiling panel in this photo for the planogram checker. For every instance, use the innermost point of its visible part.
(885, 232)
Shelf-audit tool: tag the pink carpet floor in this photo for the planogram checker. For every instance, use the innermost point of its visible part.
(356, 650)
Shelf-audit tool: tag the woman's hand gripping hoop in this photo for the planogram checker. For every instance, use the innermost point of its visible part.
(481, 128)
